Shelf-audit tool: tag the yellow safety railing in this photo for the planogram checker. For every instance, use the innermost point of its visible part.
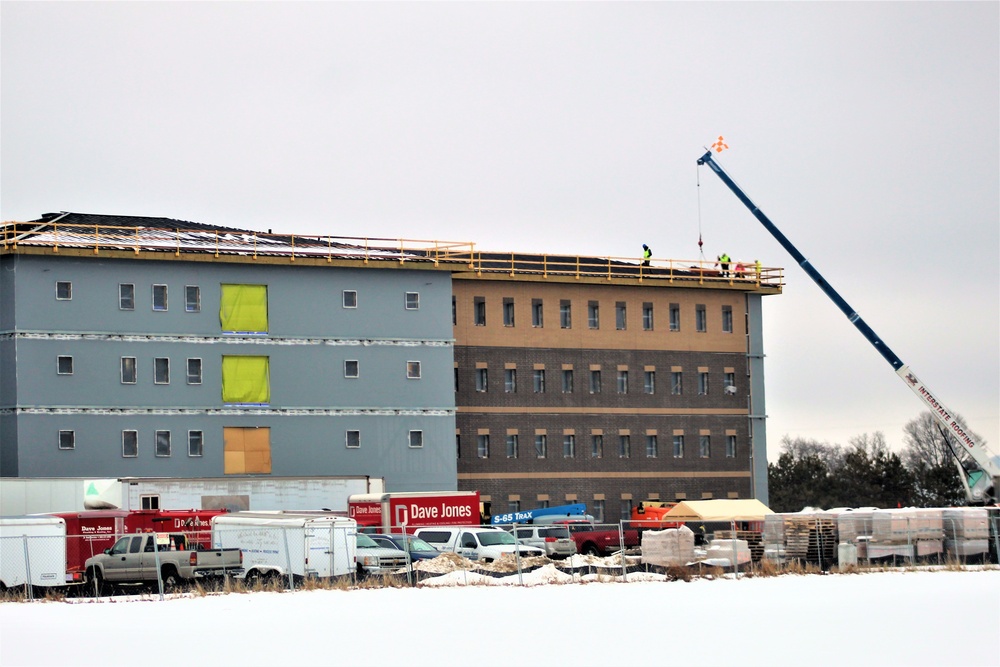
(56, 235)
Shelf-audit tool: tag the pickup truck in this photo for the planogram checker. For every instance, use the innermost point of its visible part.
(596, 541)
(133, 560)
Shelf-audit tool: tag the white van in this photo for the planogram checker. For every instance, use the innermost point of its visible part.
(476, 543)
(555, 540)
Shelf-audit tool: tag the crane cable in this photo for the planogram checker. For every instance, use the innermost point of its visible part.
(701, 248)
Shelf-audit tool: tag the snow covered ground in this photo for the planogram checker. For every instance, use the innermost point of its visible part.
(911, 618)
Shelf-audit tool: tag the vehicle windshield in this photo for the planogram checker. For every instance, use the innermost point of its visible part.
(494, 537)
(417, 544)
(365, 542)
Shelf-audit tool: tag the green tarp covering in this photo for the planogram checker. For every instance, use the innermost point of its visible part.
(245, 379)
(244, 308)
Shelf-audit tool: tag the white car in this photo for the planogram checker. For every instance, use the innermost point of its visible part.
(476, 543)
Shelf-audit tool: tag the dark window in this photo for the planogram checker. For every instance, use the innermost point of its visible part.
(126, 296)
(727, 319)
(512, 446)
(565, 314)
(508, 312)
(569, 446)
(539, 380)
(351, 368)
(194, 371)
(541, 446)
(536, 313)
(64, 365)
(705, 446)
(479, 311)
(702, 384)
(700, 319)
(412, 300)
(675, 317)
(652, 447)
(678, 446)
(620, 316)
(416, 439)
(351, 298)
(649, 382)
(647, 316)
(596, 446)
(567, 381)
(624, 446)
(64, 290)
(593, 315)
(482, 380)
(353, 439)
(163, 443)
(730, 446)
(67, 439)
(510, 380)
(161, 370)
(483, 446)
(622, 382)
(192, 299)
(128, 370)
(159, 297)
(676, 386)
(413, 370)
(595, 382)
(195, 441)
(130, 444)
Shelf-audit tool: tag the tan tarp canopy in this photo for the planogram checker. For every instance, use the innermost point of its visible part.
(719, 510)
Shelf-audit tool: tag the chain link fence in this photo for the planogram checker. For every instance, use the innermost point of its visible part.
(289, 557)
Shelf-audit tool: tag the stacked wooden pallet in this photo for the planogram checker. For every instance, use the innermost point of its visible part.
(811, 537)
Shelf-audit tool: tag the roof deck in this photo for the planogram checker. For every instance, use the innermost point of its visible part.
(79, 234)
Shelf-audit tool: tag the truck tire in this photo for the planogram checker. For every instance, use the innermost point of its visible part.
(171, 580)
(590, 549)
(100, 586)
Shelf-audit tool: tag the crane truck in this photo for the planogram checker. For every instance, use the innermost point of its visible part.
(981, 484)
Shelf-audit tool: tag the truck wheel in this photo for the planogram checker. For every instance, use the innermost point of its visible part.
(591, 550)
(100, 586)
(171, 581)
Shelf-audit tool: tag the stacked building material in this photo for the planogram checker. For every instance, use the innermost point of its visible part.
(920, 530)
(726, 553)
(753, 538)
(966, 531)
(667, 548)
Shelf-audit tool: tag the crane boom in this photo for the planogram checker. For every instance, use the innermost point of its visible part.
(980, 485)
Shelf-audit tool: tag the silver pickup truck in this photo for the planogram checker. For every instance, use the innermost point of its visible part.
(134, 559)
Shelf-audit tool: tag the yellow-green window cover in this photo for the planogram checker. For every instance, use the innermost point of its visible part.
(244, 308)
(245, 379)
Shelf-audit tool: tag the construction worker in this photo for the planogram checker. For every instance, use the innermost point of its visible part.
(723, 261)
(756, 266)
(646, 254)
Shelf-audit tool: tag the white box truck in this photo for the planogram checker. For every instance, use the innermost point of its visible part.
(32, 549)
(276, 544)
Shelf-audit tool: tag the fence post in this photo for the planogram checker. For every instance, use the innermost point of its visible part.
(27, 569)
(621, 547)
(736, 555)
(156, 560)
(288, 559)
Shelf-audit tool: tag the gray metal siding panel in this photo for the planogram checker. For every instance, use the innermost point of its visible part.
(300, 446)
(302, 301)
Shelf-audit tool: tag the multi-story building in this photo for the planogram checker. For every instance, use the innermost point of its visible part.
(150, 347)
(587, 380)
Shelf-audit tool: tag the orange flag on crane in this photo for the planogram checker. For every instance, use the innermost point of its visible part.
(720, 145)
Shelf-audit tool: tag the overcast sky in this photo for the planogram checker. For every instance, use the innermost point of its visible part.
(868, 132)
